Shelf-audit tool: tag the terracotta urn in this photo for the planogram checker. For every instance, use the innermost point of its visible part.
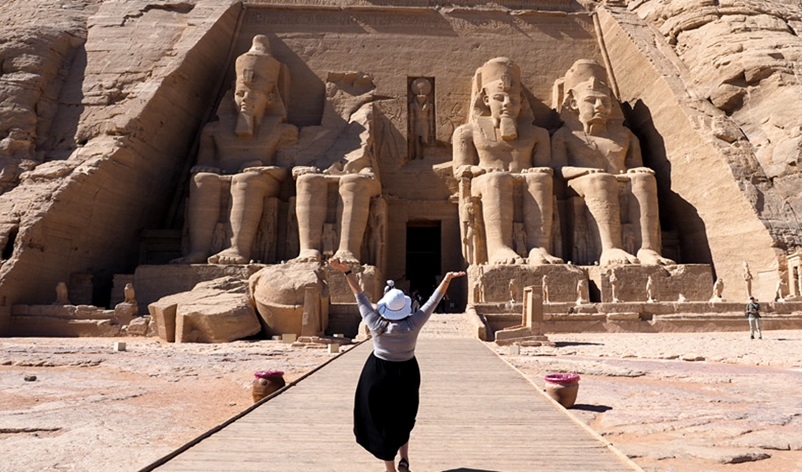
(266, 383)
(562, 388)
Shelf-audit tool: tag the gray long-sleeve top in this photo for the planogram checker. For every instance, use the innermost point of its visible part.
(397, 341)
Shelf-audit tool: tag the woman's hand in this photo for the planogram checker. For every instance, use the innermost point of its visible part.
(454, 275)
(337, 265)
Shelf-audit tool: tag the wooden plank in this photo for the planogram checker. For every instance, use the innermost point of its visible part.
(476, 413)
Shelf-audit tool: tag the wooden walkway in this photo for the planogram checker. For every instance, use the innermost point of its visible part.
(477, 414)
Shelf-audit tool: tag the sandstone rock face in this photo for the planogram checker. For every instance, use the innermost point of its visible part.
(100, 121)
(744, 58)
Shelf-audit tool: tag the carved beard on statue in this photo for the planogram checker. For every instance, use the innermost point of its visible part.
(508, 127)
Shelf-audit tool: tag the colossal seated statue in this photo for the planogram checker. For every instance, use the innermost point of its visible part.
(238, 151)
(599, 158)
(498, 150)
(338, 159)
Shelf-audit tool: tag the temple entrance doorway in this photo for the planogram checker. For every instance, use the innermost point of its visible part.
(423, 256)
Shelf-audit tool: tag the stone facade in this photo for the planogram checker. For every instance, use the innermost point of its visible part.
(108, 108)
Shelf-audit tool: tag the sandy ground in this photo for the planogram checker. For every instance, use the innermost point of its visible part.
(672, 402)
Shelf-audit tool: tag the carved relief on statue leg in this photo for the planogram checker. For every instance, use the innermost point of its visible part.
(310, 209)
(644, 191)
(497, 211)
(538, 210)
(600, 192)
(355, 191)
(248, 191)
(203, 216)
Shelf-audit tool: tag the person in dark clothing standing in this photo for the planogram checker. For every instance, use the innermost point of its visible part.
(753, 314)
(387, 394)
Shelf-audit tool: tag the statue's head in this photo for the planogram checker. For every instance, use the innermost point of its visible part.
(591, 101)
(498, 93)
(587, 92)
(260, 44)
(251, 95)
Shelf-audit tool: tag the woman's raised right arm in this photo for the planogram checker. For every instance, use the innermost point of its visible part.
(349, 275)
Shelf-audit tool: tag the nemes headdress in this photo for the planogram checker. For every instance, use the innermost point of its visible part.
(586, 74)
(497, 74)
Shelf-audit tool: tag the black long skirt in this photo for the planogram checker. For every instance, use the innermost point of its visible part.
(385, 405)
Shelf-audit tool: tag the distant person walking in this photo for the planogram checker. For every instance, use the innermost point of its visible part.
(387, 395)
(753, 314)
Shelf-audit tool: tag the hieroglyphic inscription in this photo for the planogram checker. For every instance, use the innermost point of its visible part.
(420, 21)
(555, 5)
(416, 22)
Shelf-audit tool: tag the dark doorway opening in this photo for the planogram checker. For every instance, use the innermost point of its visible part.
(423, 256)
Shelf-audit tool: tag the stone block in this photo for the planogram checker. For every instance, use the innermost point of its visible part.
(163, 313)
(218, 322)
(491, 283)
(694, 282)
(152, 282)
(125, 312)
(141, 326)
(216, 311)
(623, 316)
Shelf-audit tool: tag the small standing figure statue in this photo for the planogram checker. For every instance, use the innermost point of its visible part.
(513, 290)
(778, 291)
(718, 290)
(545, 289)
(422, 116)
(469, 243)
(748, 279)
(581, 292)
(329, 239)
(651, 290)
(128, 292)
(613, 287)
(519, 239)
(62, 297)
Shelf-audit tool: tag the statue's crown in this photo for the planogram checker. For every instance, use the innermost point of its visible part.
(587, 75)
(501, 74)
(593, 85)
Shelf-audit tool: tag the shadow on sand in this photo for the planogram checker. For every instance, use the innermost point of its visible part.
(595, 408)
(575, 343)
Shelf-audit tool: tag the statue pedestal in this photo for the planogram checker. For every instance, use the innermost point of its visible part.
(694, 282)
(491, 283)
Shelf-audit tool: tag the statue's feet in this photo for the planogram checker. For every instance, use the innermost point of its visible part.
(191, 258)
(651, 257)
(616, 256)
(228, 256)
(346, 256)
(505, 255)
(539, 256)
(308, 255)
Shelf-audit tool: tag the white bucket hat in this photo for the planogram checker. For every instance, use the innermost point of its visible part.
(394, 305)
